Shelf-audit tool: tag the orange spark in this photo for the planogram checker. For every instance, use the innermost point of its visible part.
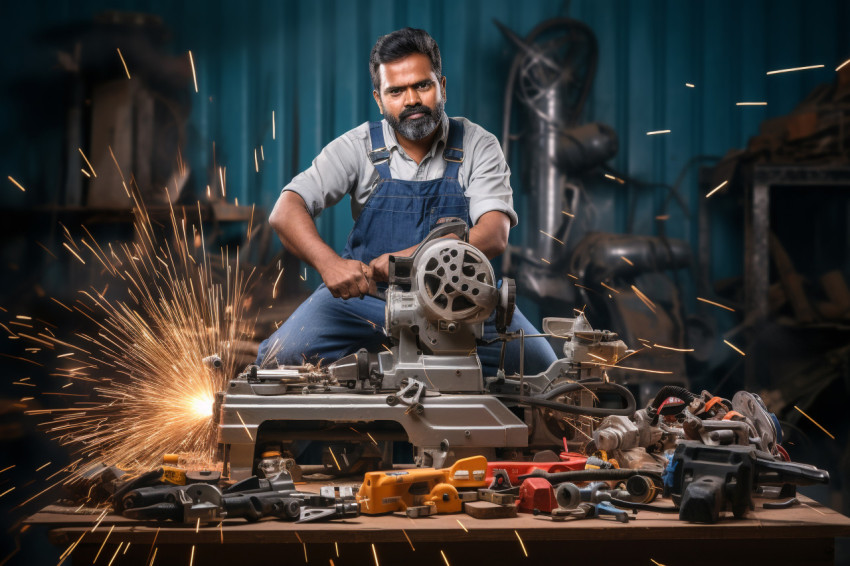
(717, 188)
(673, 349)
(123, 62)
(521, 543)
(728, 343)
(87, 162)
(551, 236)
(715, 304)
(17, 184)
(194, 76)
(794, 69)
(814, 421)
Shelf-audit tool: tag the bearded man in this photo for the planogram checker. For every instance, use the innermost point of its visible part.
(404, 174)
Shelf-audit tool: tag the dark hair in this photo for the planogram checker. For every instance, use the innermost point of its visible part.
(398, 45)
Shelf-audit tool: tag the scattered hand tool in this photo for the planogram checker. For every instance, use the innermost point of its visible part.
(251, 499)
(385, 492)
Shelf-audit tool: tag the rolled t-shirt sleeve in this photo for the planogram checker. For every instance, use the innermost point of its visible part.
(331, 176)
(489, 184)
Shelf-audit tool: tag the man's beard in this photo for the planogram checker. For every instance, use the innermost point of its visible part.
(417, 128)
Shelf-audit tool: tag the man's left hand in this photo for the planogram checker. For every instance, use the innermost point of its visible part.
(381, 267)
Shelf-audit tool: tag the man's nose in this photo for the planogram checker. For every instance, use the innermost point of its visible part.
(411, 97)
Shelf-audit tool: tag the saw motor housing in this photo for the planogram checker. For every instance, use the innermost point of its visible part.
(437, 302)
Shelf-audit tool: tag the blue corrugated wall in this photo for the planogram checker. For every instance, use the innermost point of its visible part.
(307, 62)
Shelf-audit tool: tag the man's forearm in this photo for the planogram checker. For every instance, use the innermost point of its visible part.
(490, 233)
(291, 220)
(296, 229)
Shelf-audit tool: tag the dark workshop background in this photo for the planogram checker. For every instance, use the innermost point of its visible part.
(306, 62)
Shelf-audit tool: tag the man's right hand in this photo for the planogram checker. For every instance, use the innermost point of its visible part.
(346, 278)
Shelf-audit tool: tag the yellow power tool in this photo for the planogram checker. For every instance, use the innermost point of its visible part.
(385, 492)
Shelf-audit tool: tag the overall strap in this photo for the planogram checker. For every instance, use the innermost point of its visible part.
(380, 155)
(453, 153)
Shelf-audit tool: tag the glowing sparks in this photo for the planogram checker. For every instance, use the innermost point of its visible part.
(335, 460)
(657, 132)
(17, 184)
(76, 255)
(123, 62)
(715, 304)
(86, 173)
(375, 442)
(615, 179)
(643, 370)
(672, 349)
(276, 281)
(717, 188)
(408, 541)
(689, 85)
(462, 526)
(248, 432)
(375, 554)
(565, 213)
(87, 162)
(273, 125)
(256, 162)
(120, 544)
(610, 288)
(644, 299)
(751, 104)
(544, 260)
(731, 345)
(103, 544)
(842, 65)
(551, 236)
(336, 549)
(194, 75)
(814, 422)
(192, 556)
(160, 393)
(42, 466)
(446, 560)
(7, 491)
(522, 544)
(71, 548)
(656, 563)
(794, 69)
(627, 260)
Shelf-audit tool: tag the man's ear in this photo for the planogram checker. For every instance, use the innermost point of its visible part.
(443, 87)
(377, 98)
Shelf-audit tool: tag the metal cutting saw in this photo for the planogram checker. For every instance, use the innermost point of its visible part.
(428, 388)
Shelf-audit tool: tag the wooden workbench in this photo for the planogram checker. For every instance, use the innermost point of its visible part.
(799, 535)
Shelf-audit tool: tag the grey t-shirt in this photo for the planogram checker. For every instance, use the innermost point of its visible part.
(343, 167)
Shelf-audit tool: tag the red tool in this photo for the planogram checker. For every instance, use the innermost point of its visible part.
(536, 495)
(516, 469)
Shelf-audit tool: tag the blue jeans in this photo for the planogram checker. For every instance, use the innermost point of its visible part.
(324, 328)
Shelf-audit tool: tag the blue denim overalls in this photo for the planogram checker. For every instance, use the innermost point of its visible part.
(397, 215)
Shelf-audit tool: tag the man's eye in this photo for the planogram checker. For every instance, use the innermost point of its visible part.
(423, 86)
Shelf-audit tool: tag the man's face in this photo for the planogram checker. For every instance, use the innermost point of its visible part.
(412, 97)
